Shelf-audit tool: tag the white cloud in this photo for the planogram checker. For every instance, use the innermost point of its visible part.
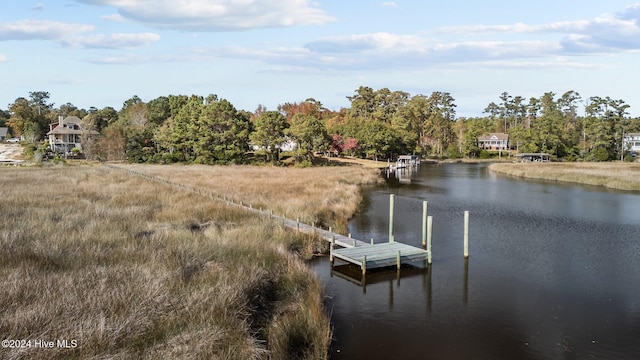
(218, 15)
(112, 41)
(389, 4)
(387, 51)
(366, 42)
(38, 7)
(40, 30)
(603, 34)
(137, 59)
(3, 58)
(113, 17)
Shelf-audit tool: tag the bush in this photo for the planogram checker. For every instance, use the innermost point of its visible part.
(484, 154)
(453, 152)
(303, 164)
(629, 157)
(601, 154)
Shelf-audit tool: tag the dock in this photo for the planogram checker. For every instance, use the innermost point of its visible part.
(353, 251)
(357, 252)
(378, 255)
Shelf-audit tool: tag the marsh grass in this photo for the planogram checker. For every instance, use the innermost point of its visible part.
(622, 176)
(327, 196)
(131, 268)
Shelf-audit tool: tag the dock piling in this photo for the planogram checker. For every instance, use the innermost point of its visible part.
(429, 230)
(424, 224)
(364, 265)
(466, 234)
(391, 205)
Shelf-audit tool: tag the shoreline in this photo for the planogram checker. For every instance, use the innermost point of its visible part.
(612, 175)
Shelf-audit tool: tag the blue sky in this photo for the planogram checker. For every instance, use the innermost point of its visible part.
(101, 52)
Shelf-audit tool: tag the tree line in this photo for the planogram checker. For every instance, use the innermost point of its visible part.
(379, 124)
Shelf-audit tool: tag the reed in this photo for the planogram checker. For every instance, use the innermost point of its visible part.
(132, 268)
(618, 175)
(327, 196)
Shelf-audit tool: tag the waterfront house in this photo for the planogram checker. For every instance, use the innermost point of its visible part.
(631, 142)
(494, 141)
(67, 133)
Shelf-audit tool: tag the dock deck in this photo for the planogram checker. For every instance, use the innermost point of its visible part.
(379, 255)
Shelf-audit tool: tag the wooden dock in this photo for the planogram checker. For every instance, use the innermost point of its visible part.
(379, 255)
(353, 251)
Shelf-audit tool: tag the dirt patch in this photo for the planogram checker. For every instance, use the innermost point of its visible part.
(11, 153)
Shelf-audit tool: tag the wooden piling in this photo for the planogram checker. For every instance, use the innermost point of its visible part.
(398, 260)
(333, 243)
(466, 234)
(364, 265)
(429, 230)
(391, 206)
(424, 224)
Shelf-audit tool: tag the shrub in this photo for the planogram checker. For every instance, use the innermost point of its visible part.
(601, 154)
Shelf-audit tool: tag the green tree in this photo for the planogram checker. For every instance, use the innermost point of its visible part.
(223, 133)
(185, 128)
(269, 132)
(100, 119)
(30, 118)
(4, 116)
(158, 110)
(438, 126)
(310, 134)
(363, 103)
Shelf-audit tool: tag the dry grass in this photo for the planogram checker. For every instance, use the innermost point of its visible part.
(328, 196)
(131, 268)
(623, 176)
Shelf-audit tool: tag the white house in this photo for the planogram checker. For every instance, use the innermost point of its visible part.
(66, 134)
(494, 141)
(631, 142)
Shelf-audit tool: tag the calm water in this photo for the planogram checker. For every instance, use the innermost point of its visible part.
(553, 273)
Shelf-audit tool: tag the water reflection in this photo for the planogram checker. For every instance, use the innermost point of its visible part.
(552, 272)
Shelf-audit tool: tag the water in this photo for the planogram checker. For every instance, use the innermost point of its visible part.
(553, 273)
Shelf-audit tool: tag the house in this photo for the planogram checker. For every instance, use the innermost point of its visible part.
(66, 134)
(631, 142)
(3, 133)
(494, 141)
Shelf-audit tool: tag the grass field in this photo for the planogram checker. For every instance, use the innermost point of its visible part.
(623, 176)
(124, 267)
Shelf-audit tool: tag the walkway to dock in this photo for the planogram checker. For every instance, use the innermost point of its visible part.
(360, 253)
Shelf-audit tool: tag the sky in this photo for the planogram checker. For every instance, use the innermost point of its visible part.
(98, 53)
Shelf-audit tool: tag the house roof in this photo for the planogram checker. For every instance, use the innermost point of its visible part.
(3, 131)
(59, 130)
(494, 136)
